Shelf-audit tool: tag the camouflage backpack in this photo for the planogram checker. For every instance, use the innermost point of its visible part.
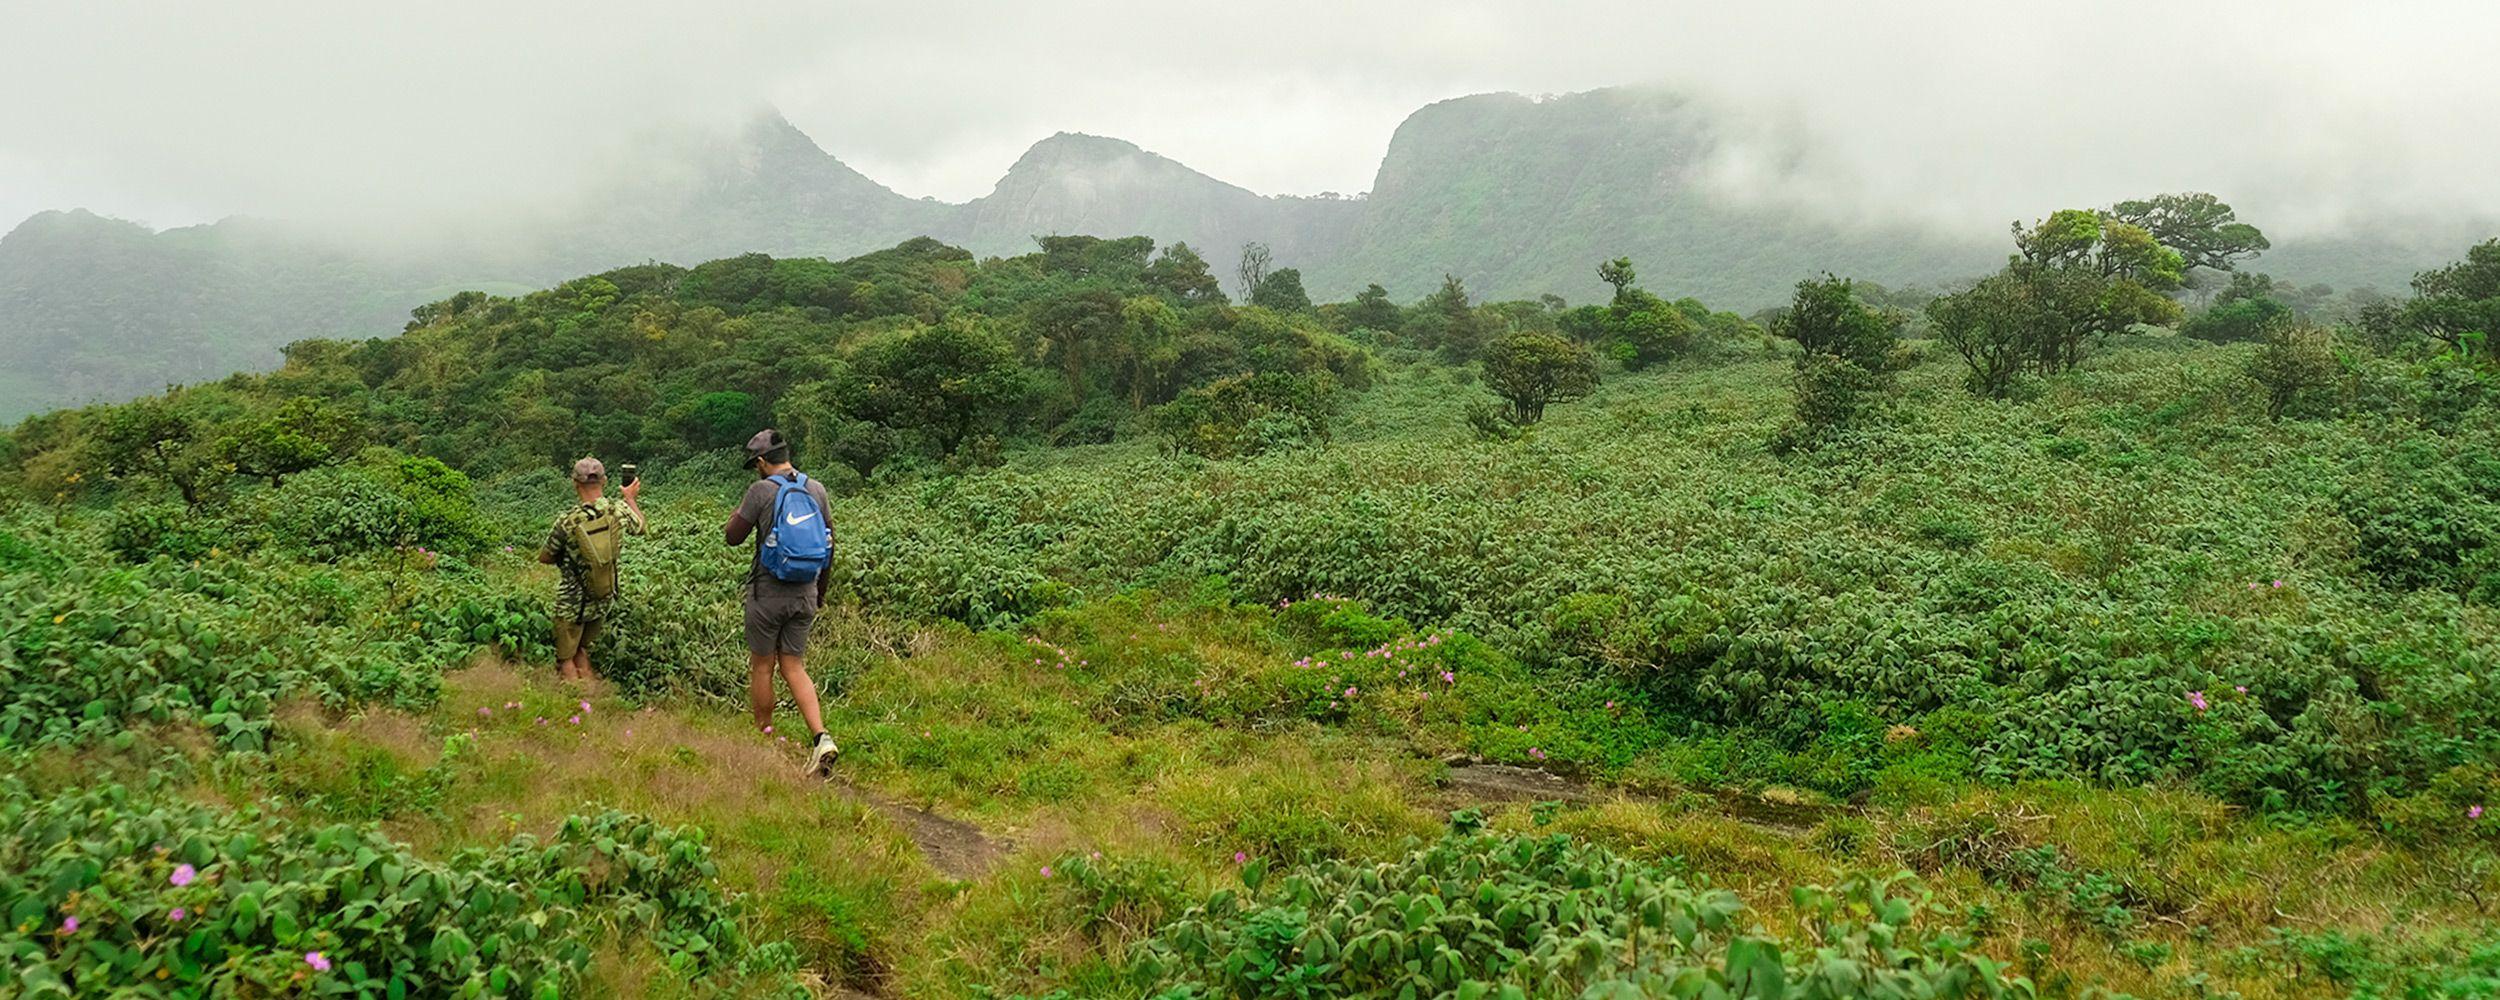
(599, 538)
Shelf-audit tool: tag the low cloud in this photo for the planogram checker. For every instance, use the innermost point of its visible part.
(2309, 115)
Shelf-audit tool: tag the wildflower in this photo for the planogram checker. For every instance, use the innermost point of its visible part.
(2197, 698)
(314, 959)
(69, 925)
(1045, 871)
(484, 711)
(1349, 692)
(1610, 705)
(768, 730)
(2241, 688)
(542, 720)
(1332, 704)
(2278, 584)
(1536, 753)
(511, 704)
(177, 914)
(1240, 857)
(183, 874)
(1448, 677)
(585, 706)
(576, 720)
(2474, 811)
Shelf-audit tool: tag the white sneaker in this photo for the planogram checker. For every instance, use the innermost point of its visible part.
(820, 760)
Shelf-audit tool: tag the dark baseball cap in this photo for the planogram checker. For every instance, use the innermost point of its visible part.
(764, 441)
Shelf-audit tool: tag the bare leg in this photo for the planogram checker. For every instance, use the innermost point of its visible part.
(803, 691)
(760, 688)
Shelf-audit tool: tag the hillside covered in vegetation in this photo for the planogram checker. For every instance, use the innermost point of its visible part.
(1512, 195)
(2046, 638)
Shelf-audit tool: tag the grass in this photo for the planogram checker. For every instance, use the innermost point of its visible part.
(2151, 891)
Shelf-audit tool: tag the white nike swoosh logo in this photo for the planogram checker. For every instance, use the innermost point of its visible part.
(803, 519)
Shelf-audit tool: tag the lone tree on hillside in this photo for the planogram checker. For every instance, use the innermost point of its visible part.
(1616, 272)
(1533, 370)
(1253, 269)
(2203, 230)
(1848, 354)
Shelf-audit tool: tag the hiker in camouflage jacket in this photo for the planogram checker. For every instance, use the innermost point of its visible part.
(578, 613)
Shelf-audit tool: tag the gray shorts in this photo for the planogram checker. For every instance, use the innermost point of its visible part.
(778, 625)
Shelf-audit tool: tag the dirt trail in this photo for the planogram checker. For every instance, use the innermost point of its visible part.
(1470, 784)
(955, 848)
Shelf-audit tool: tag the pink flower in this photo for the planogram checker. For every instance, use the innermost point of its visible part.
(69, 925)
(183, 874)
(1045, 871)
(177, 914)
(2278, 584)
(768, 730)
(2474, 812)
(511, 704)
(1240, 857)
(2241, 688)
(542, 720)
(1448, 678)
(314, 959)
(484, 711)
(576, 720)
(1536, 753)
(2197, 698)
(585, 706)
(1349, 692)
(1610, 705)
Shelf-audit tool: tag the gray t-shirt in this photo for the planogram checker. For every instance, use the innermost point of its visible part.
(756, 508)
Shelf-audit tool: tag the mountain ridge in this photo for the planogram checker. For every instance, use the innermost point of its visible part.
(1514, 195)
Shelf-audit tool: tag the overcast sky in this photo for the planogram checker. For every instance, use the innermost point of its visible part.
(1964, 112)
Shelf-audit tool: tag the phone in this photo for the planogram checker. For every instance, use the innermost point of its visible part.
(626, 474)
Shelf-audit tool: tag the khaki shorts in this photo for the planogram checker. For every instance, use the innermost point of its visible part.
(573, 637)
(778, 625)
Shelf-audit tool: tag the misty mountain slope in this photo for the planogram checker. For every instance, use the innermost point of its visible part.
(1516, 196)
(1519, 197)
(766, 189)
(1072, 184)
(96, 308)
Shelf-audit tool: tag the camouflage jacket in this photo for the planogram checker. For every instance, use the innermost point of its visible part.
(573, 602)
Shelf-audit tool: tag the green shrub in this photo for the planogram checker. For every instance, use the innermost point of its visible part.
(111, 891)
(140, 531)
(1480, 916)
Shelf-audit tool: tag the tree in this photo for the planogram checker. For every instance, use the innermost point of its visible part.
(1253, 268)
(1847, 353)
(303, 433)
(2086, 277)
(2203, 230)
(1533, 370)
(1826, 317)
(1076, 332)
(1616, 272)
(1641, 329)
(948, 381)
(152, 436)
(2459, 305)
(1446, 321)
(1246, 414)
(1372, 310)
(1184, 275)
(1281, 290)
(1992, 325)
(2298, 370)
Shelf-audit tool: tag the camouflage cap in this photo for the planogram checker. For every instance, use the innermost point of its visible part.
(589, 470)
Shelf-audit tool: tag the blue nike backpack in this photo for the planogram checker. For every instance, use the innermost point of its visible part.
(797, 544)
